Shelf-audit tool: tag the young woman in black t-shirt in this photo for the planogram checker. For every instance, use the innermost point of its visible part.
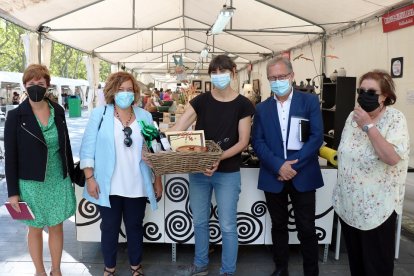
(225, 117)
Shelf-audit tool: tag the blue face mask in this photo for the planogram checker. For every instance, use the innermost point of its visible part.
(280, 87)
(221, 81)
(124, 99)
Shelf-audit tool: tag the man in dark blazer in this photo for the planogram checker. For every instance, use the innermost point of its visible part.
(289, 166)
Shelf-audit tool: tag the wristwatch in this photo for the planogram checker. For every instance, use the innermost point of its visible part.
(365, 128)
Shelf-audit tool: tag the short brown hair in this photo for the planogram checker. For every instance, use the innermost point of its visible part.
(113, 83)
(385, 82)
(36, 71)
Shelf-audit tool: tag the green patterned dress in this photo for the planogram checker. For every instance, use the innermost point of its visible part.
(53, 200)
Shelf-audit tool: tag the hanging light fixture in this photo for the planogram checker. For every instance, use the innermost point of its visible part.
(43, 29)
(222, 20)
(204, 52)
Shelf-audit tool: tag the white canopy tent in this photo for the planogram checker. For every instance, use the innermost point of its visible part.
(144, 35)
(58, 82)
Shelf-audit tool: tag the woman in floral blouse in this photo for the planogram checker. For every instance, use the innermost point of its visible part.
(373, 160)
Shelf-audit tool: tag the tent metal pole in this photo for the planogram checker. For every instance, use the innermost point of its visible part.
(39, 47)
(248, 40)
(183, 7)
(181, 52)
(182, 29)
(292, 14)
(143, 51)
(137, 31)
(152, 51)
(255, 43)
(72, 11)
(323, 55)
(133, 14)
(152, 40)
(323, 64)
(160, 62)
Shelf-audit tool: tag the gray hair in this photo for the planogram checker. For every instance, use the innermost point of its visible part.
(277, 60)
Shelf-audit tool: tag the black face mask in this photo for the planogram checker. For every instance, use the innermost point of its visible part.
(36, 92)
(368, 101)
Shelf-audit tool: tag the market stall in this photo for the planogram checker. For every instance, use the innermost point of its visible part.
(172, 222)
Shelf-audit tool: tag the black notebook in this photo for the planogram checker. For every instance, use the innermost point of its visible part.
(304, 130)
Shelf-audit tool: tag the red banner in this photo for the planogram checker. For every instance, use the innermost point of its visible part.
(398, 19)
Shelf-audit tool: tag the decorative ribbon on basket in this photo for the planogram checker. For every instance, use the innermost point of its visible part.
(149, 132)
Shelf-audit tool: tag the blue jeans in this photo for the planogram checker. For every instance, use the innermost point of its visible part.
(226, 189)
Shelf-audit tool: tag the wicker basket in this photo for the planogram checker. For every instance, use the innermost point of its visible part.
(168, 162)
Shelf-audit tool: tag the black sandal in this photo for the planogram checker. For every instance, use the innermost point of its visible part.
(137, 270)
(110, 273)
(52, 271)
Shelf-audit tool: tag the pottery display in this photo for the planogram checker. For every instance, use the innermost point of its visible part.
(341, 72)
(333, 76)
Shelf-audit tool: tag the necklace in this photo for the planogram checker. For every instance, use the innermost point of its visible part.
(119, 118)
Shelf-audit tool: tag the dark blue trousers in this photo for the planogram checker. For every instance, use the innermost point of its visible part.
(132, 211)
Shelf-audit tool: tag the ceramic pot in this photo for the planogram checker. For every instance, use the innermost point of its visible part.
(341, 72)
(333, 76)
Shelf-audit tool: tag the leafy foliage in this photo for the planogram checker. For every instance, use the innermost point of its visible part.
(105, 70)
(66, 62)
(12, 56)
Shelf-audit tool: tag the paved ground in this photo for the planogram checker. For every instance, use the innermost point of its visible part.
(85, 258)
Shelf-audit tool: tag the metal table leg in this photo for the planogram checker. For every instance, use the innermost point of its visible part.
(398, 237)
(80, 251)
(338, 240)
(325, 253)
(174, 252)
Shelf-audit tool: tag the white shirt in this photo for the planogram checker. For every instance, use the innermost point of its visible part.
(127, 179)
(283, 109)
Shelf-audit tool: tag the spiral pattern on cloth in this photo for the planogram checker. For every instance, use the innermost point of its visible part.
(89, 211)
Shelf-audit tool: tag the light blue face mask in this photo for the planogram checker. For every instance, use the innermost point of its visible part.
(280, 87)
(221, 81)
(124, 99)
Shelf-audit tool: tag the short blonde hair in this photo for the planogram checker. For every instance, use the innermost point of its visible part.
(113, 83)
(36, 71)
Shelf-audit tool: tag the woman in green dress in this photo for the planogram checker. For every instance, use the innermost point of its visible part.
(39, 166)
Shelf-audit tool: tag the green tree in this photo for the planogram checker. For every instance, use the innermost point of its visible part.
(65, 62)
(12, 56)
(105, 70)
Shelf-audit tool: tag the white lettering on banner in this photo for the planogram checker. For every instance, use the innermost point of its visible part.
(405, 22)
(399, 16)
(398, 19)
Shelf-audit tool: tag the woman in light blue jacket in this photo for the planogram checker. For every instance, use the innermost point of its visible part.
(117, 178)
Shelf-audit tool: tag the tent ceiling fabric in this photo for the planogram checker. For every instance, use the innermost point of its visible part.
(144, 35)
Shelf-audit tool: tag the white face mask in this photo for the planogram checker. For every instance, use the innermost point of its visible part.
(124, 99)
(221, 81)
(280, 87)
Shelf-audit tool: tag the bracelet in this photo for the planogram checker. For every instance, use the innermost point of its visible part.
(89, 177)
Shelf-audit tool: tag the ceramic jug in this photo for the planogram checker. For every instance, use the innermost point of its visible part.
(341, 72)
(333, 76)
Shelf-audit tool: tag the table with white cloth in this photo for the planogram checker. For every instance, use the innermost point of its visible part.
(172, 222)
